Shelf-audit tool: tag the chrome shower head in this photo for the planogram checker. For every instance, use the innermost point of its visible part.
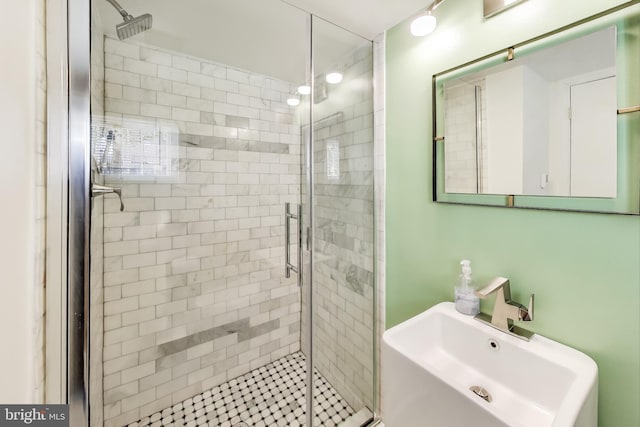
(131, 26)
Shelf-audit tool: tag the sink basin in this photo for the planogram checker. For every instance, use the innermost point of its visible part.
(431, 361)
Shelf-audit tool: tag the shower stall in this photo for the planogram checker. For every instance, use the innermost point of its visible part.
(228, 192)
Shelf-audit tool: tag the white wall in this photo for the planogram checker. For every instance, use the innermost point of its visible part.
(504, 126)
(535, 132)
(17, 175)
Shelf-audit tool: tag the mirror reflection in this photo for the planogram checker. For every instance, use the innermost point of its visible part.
(540, 124)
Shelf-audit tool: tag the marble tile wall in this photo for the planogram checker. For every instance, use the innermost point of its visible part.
(461, 163)
(194, 285)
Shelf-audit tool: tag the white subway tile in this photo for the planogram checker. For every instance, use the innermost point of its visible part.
(153, 326)
(170, 202)
(140, 67)
(138, 316)
(168, 230)
(116, 336)
(237, 99)
(199, 153)
(155, 56)
(200, 80)
(155, 217)
(200, 104)
(153, 272)
(186, 241)
(112, 322)
(252, 113)
(213, 94)
(186, 90)
(138, 400)
(200, 350)
(170, 255)
(121, 77)
(226, 85)
(238, 235)
(121, 48)
(225, 132)
(185, 190)
(200, 375)
(140, 260)
(199, 129)
(155, 111)
(122, 106)
(225, 108)
(120, 248)
(172, 74)
(153, 83)
(199, 202)
(171, 308)
(152, 245)
(172, 100)
(248, 134)
(120, 277)
(238, 76)
(112, 293)
(137, 94)
(113, 61)
(186, 64)
(249, 90)
(262, 104)
(185, 215)
(138, 288)
(138, 344)
(120, 306)
(112, 90)
(185, 115)
(213, 70)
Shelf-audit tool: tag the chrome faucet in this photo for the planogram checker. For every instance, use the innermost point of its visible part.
(505, 311)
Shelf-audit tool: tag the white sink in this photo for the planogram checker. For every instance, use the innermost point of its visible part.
(430, 361)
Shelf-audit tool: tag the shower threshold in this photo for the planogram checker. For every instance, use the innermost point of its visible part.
(269, 396)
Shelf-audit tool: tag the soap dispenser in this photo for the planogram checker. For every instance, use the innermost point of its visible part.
(466, 300)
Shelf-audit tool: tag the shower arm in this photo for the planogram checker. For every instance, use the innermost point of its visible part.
(120, 10)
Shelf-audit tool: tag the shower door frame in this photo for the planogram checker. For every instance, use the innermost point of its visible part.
(78, 244)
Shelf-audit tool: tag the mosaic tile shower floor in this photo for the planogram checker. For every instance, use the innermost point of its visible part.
(269, 396)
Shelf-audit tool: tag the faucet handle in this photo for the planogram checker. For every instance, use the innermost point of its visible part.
(493, 286)
(527, 312)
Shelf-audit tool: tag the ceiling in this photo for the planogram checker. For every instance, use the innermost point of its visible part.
(367, 18)
(264, 36)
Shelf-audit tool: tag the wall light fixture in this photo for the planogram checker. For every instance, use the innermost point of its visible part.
(425, 23)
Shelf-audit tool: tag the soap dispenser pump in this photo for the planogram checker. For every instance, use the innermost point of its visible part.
(466, 300)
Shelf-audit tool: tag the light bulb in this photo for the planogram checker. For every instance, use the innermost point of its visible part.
(423, 25)
(334, 78)
(304, 90)
(293, 102)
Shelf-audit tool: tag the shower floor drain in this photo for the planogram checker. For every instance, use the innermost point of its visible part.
(240, 425)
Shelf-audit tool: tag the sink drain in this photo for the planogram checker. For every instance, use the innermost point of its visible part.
(481, 392)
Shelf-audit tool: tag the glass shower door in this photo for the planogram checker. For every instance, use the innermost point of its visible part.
(195, 151)
(339, 288)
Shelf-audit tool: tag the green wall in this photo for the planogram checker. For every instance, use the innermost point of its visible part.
(584, 268)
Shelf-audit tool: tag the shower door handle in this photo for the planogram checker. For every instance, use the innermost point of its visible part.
(99, 190)
(288, 216)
